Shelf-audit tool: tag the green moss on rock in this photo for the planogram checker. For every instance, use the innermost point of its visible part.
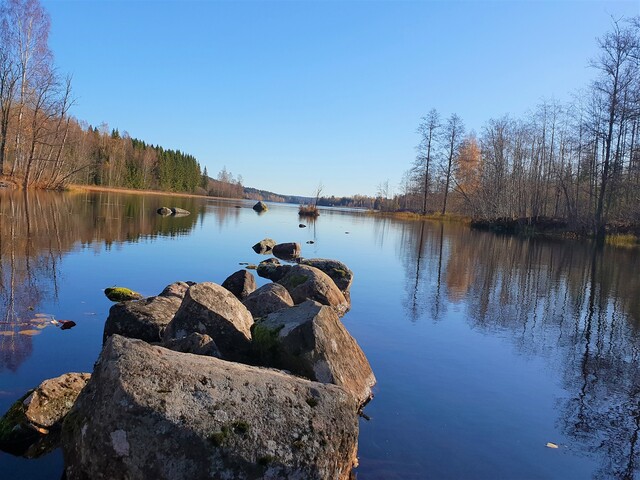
(294, 281)
(13, 418)
(264, 337)
(218, 438)
(266, 460)
(240, 427)
(121, 294)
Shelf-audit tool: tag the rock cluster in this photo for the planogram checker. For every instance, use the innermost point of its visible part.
(203, 381)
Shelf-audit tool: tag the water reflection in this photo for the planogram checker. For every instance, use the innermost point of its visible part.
(565, 301)
(38, 228)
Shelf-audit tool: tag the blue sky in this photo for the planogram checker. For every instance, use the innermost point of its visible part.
(290, 94)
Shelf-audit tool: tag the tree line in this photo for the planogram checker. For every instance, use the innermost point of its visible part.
(579, 161)
(42, 145)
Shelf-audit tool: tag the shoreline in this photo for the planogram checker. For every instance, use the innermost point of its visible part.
(76, 188)
(449, 217)
(628, 237)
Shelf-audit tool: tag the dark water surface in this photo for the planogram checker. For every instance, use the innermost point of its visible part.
(485, 347)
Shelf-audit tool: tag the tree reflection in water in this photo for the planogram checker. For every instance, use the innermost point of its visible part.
(38, 228)
(563, 300)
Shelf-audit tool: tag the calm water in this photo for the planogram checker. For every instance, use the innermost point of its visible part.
(485, 347)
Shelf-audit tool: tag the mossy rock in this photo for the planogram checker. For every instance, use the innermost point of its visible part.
(16, 435)
(121, 294)
(264, 339)
(293, 281)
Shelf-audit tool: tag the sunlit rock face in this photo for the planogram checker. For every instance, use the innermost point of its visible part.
(210, 309)
(149, 412)
(309, 340)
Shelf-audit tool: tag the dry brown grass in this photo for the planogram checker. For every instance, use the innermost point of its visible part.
(449, 217)
(96, 188)
(308, 211)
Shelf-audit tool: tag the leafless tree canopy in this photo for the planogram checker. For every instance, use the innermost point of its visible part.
(578, 161)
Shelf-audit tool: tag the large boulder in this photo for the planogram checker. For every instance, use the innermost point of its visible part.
(145, 319)
(338, 271)
(164, 211)
(264, 247)
(308, 283)
(240, 283)
(287, 251)
(149, 412)
(260, 207)
(30, 426)
(310, 340)
(272, 269)
(211, 309)
(268, 299)
(195, 343)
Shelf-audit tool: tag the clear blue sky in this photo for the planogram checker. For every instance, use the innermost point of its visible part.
(290, 94)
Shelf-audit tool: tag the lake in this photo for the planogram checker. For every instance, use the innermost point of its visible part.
(485, 347)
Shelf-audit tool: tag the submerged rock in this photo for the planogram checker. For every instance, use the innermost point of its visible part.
(121, 294)
(148, 412)
(268, 299)
(309, 340)
(260, 207)
(264, 247)
(210, 309)
(240, 283)
(30, 426)
(175, 211)
(308, 283)
(179, 212)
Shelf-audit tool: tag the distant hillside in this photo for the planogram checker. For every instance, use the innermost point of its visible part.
(256, 194)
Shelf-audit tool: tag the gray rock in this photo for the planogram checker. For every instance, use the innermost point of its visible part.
(176, 289)
(260, 207)
(179, 212)
(148, 412)
(210, 309)
(272, 269)
(310, 340)
(287, 251)
(268, 299)
(52, 400)
(145, 319)
(164, 211)
(240, 283)
(308, 283)
(30, 427)
(264, 247)
(338, 271)
(195, 343)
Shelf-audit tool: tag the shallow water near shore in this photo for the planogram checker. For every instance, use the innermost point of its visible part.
(485, 347)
